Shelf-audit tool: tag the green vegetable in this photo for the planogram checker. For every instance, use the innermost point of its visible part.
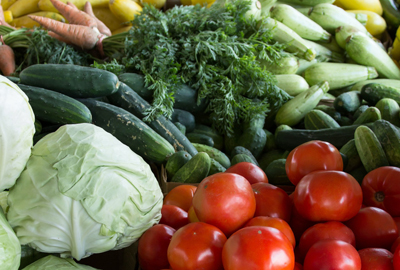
(10, 247)
(213, 50)
(83, 192)
(17, 128)
(51, 262)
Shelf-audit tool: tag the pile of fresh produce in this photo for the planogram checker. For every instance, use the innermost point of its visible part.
(99, 123)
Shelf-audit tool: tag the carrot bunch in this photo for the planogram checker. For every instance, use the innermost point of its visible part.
(83, 30)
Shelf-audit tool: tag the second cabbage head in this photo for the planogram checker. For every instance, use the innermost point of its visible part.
(83, 192)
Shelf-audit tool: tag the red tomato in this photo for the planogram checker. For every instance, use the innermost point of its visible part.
(272, 201)
(373, 227)
(276, 223)
(322, 231)
(332, 254)
(312, 156)
(396, 259)
(153, 245)
(299, 224)
(298, 266)
(173, 216)
(181, 196)
(250, 171)
(381, 188)
(258, 248)
(395, 244)
(225, 200)
(376, 259)
(397, 220)
(196, 246)
(328, 196)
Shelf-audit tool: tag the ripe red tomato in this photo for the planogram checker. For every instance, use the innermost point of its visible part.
(299, 224)
(396, 259)
(395, 244)
(272, 201)
(373, 228)
(153, 245)
(173, 216)
(225, 200)
(332, 254)
(397, 220)
(376, 259)
(298, 266)
(328, 196)
(322, 231)
(197, 245)
(381, 188)
(273, 222)
(258, 248)
(312, 156)
(181, 196)
(250, 171)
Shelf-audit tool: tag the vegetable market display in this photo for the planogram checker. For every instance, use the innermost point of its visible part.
(212, 135)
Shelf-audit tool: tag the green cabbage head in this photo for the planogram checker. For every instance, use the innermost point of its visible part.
(83, 192)
(17, 126)
(10, 248)
(51, 262)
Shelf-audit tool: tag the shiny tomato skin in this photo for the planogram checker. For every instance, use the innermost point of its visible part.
(250, 171)
(397, 220)
(381, 188)
(376, 259)
(192, 215)
(331, 255)
(373, 228)
(395, 244)
(273, 222)
(272, 201)
(153, 246)
(322, 231)
(396, 259)
(197, 245)
(225, 200)
(181, 196)
(328, 196)
(173, 216)
(312, 156)
(258, 248)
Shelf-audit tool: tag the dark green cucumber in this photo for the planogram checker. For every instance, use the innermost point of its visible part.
(241, 158)
(13, 79)
(270, 144)
(126, 98)
(359, 111)
(350, 151)
(176, 161)
(390, 110)
(231, 140)
(373, 92)
(130, 130)
(254, 139)
(185, 118)
(289, 139)
(215, 167)
(38, 126)
(391, 14)
(137, 83)
(181, 127)
(371, 114)
(276, 172)
(317, 119)
(54, 107)
(330, 111)
(209, 131)
(348, 102)
(243, 150)
(214, 153)
(389, 137)
(359, 173)
(256, 121)
(345, 121)
(200, 138)
(369, 149)
(71, 80)
(195, 170)
(281, 128)
(186, 99)
(270, 156)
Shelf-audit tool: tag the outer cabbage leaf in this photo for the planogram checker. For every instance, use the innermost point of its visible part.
(16, 132)
(3, 201)
(51, 262)
(83, 192)
(10, 248)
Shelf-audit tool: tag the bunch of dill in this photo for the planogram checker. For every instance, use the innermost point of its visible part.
(215, 51)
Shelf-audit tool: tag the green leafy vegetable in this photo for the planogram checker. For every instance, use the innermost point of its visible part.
(51, 262)
(10, 248)
(112, 66)
(215, 51)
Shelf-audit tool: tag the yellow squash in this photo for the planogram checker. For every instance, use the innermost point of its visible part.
(23, 7)
(8, 17)
(121, 30)
(157, 3)
(125, 10)
(371, 5)
(376, 25)
(105, 15)
(46, 5)
(7, 3)
(25, 21)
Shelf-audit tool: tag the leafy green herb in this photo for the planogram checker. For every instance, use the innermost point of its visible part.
(112, 66)
(215, 51)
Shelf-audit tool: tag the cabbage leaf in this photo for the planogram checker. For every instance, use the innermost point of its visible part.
(10, 248)
(51, 262)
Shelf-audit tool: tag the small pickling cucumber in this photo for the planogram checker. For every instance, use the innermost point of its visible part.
(389, 137)
(276, 172)
(195, 170)
(176, 161)
(374, 92)
(241, 158)
(214, 153)
(348, 102)
(200, 138)
(185, 118)
(371, 114)
(353, 158)
(317, 119)
(390, 110)
(215, 167)
(211, 132)
(243, 150)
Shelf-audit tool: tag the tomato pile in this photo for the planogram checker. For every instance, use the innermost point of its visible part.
(237, 220)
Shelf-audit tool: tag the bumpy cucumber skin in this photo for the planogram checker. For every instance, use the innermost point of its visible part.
(389, 137)
(214, 153)
(176, 161)
(195, 170)
(317, 119)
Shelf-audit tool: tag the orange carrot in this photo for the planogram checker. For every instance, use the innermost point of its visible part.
(7, 60)
(72, 5)
(74, 16)
(57, 36)
(100, 25)
(82, 36)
